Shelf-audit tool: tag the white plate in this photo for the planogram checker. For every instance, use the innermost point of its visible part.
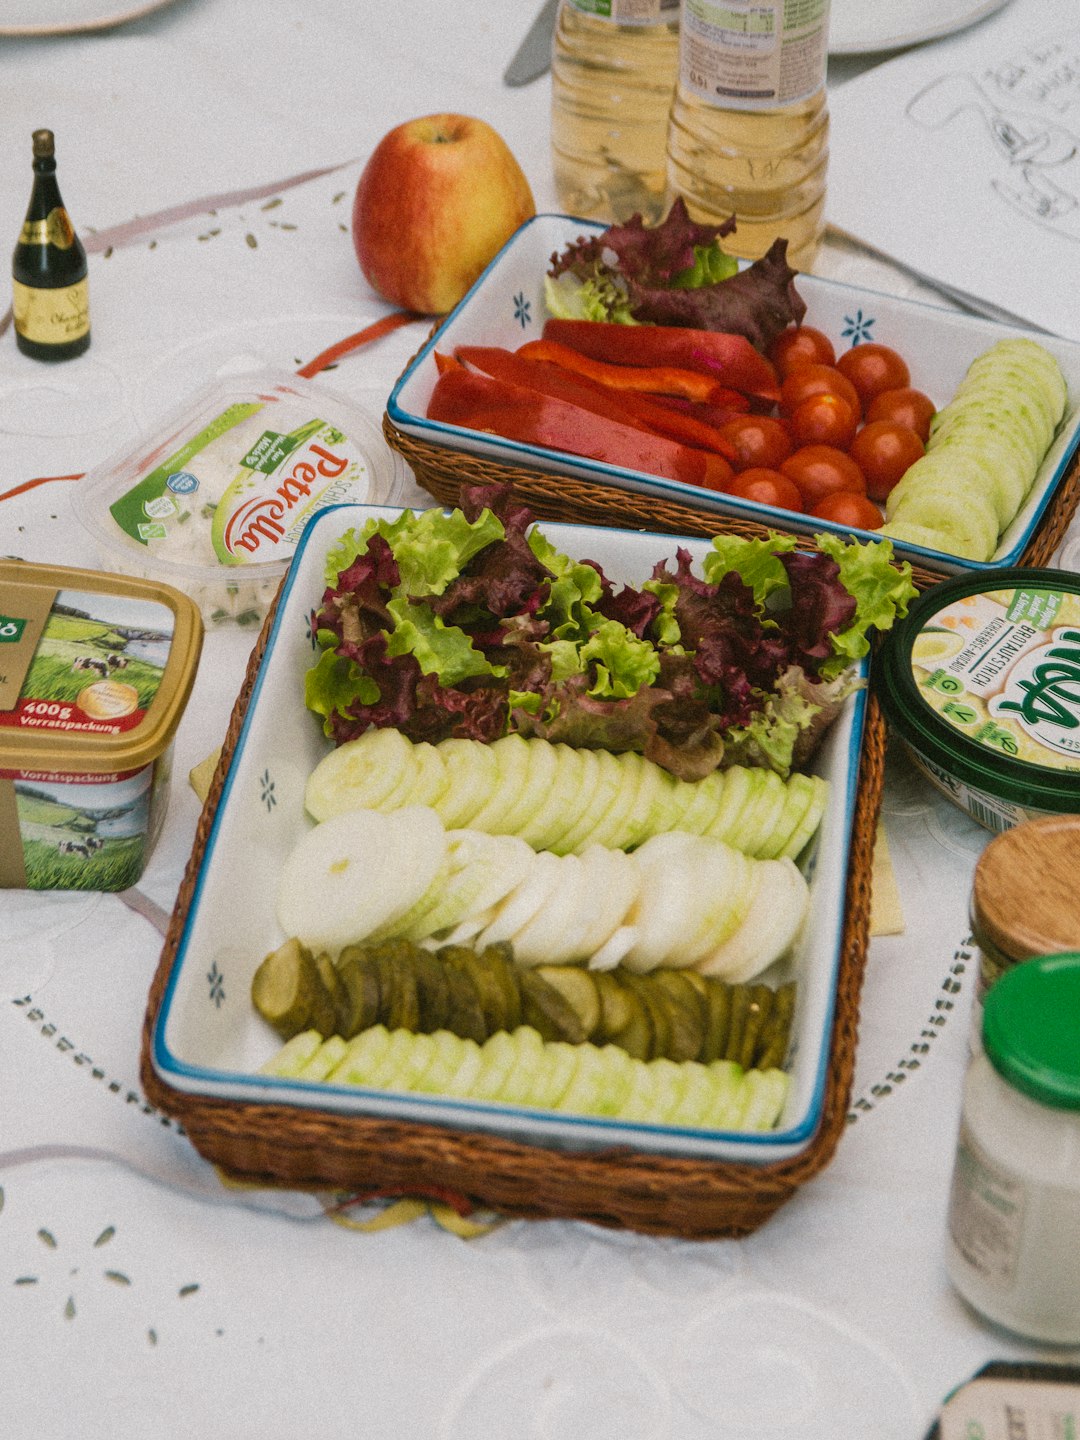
(67, 17)
(506, 307)
(862, 27)
(209, 1040)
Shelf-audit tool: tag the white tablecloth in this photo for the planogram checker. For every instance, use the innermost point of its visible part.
(138, 1293)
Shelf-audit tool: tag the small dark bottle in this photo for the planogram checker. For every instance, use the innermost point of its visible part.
(51, 296)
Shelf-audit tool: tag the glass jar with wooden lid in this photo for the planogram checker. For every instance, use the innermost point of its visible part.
(1025, 899)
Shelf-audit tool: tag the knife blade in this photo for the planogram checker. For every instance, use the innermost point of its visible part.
(533, 56)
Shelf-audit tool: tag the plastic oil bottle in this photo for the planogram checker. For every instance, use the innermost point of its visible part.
(750, 124)
(613, 72)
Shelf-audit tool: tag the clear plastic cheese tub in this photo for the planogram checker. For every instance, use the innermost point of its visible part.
(214, 499)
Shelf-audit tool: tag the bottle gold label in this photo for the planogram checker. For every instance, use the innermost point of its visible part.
(52, 317)
(56, 229)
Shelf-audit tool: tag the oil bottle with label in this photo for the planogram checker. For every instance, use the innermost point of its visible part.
(750, 123)
(613, 70)
(51, 307)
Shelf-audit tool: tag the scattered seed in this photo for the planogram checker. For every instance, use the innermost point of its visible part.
(187, 1290)
(117, 1277)
(253, 244)
(69, 1308)
(105, 1236)
(47, 1238)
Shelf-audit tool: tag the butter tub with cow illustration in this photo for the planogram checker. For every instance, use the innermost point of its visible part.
(215, 496)
(95, 673)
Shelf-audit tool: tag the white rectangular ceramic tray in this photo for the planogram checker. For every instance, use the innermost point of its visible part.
(208, 1039)
(505, 308)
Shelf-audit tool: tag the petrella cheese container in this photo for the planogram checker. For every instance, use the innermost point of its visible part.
(981, 681)
(214, 500)
(95, 672)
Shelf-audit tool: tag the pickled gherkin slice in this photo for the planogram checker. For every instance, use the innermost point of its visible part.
(287, 990)
(548, 1011)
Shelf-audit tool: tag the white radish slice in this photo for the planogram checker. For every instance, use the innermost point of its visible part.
(522, 903)
(487, 868)
(722, 897)
(549, 937)
(612, 886)
(770, 926)
(613, 950)
(356, 872)
(360, 774)
(664, 915)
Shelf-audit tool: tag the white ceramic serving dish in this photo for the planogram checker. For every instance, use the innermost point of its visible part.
(209, 1040)
(506, 307)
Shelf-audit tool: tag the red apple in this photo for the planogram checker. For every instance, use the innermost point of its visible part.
(438, 198)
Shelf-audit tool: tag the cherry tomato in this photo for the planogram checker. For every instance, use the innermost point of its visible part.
(807, 380)
(801, 345)
(767, 487)
(845, 508)
(906, 407)
(872, 369)
(819, 470)
(883, 451)
(823, 419)
(718, 474)
(758, 440)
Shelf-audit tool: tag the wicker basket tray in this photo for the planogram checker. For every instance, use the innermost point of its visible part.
(283, 1145)
(443, 472)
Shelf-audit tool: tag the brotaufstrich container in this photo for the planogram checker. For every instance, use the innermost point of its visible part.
(981, 680)
(95, 671)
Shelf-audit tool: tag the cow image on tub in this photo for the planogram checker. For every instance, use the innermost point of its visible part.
(97, 667)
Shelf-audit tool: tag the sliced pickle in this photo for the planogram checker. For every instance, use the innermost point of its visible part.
(757, 1013)
(688, 1020)
(361, 998)
(500, 959)
(548, 1011)
(775, 1038)
(286, 990)
(618, 1007)
(328, 1005)
(740, 1005)
(465, 1015)
(718, 997)
(658, 1013)
(579, 988)
(432, 992)
(488, 985)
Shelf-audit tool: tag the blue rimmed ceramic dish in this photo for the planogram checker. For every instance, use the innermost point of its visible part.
(207, 1039)
(506, 307)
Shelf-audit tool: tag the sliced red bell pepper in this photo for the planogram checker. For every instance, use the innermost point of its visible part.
(444, 362)
(626, 407)
(548, 379)
(729, 359)
(479, 402)
(646, 379)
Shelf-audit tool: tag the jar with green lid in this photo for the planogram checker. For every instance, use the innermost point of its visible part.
(981, 681)
(1013, 1249)
(1025, 899)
